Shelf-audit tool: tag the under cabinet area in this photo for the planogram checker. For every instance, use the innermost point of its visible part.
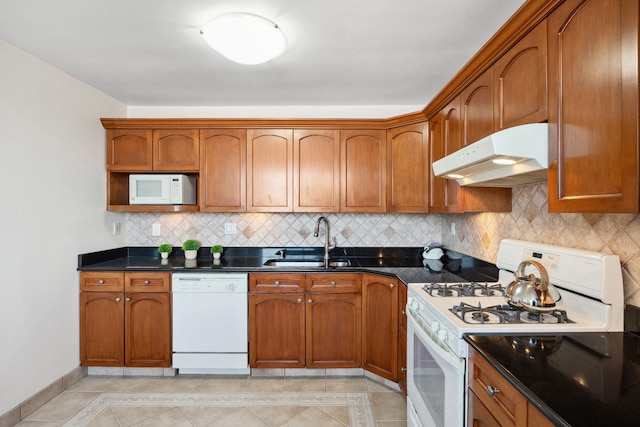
(495, 402)
(125, 319)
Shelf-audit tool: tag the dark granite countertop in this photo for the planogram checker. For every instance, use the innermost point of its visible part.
(583, 379)
(404, 262)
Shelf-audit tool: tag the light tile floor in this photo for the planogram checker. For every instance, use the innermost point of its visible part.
(215, 401)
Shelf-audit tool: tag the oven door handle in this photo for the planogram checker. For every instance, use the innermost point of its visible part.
(426, 335)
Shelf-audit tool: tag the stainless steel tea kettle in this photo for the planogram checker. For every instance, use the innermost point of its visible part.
(530, 292)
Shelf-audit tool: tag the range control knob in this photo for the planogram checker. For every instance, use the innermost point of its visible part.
(442, 335)
(435, 327)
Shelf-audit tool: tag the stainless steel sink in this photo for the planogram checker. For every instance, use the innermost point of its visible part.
(305, 263)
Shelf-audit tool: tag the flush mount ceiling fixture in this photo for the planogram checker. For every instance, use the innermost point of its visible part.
(245, 38)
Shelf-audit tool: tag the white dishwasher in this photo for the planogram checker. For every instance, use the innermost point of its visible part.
(210, 323)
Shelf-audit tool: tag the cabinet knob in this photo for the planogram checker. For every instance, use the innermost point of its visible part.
(333, 283)
(146, 282)
(403, 369)
(276, 283)
(299, 300)
(391, 285)
(491, 391)
(127, 299)
(310, 301)
(404, 313)
(100, 282)
(118, 299)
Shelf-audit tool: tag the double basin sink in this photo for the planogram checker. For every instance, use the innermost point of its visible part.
(293, 262)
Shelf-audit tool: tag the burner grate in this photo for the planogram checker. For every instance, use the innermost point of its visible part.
(470, 289)
(506, 314)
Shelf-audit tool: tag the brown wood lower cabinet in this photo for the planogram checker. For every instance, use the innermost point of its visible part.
(290, 328)
(493, 401)
(127, 324)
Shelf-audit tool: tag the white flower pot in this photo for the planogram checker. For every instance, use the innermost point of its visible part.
(192, 254)
(164, 255)
(216, 255)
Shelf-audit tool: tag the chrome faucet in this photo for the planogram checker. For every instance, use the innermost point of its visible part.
(327, 245)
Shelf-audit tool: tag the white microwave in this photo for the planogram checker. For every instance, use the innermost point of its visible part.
(162, 190)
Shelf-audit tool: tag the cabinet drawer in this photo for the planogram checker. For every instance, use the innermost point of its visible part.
(507, 405)
(101, 281)
(147, 282)
(340, 283)
(276, 282)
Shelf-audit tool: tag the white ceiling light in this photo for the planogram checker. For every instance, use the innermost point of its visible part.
(245, 38)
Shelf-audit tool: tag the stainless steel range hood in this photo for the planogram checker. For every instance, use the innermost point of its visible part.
(508, 158)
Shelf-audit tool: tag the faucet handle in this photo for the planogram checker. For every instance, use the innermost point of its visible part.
(332, 245)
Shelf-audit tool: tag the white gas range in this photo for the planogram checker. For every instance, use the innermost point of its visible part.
(439, 314)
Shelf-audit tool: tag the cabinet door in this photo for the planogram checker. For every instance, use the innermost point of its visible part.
(520, 81)
(176, 150)
(129, 150)
(333, 331)
(477, 108)
(223, 168)
(479, 415)
(593, 106)
(363, 171)
(380, 325)
(408, 169)
(452, 137)
(148, 329)
(101, 329)
(269, 173)
(276, 331)
(316, 164)
(437, 185)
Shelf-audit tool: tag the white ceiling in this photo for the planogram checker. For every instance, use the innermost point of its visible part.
(341, 52)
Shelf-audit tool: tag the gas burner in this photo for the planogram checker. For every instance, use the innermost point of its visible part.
(505, 314)
(470, 289)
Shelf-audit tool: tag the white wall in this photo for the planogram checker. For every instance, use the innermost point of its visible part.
(52, 208)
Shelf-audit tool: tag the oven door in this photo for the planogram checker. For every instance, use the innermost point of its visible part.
(435, 379)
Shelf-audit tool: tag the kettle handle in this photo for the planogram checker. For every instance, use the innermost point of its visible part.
(544, 275)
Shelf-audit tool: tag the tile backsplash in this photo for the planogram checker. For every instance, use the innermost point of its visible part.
(478, 235)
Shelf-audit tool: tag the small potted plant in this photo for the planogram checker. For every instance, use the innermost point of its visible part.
(164, 250)
(216, 251)
(190, 248)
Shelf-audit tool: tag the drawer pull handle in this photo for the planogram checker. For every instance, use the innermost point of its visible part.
(146, 282)
(333, 283)
(491, 391)
(100, 282)
(276, 283)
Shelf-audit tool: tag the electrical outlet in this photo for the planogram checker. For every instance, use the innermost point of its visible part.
(116, 228)
(453, 228)
(230, 228)
(155, 229)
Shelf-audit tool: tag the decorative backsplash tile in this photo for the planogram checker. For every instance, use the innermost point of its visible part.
(478, 235)
(265, 229)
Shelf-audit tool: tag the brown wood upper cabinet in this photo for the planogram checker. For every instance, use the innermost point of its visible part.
(593, 106)
(477, 109)
(223, 167)
(153, 150)
(269, 170)
(520, 81)
(363, 170)
(316, 170)
(408, 168)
